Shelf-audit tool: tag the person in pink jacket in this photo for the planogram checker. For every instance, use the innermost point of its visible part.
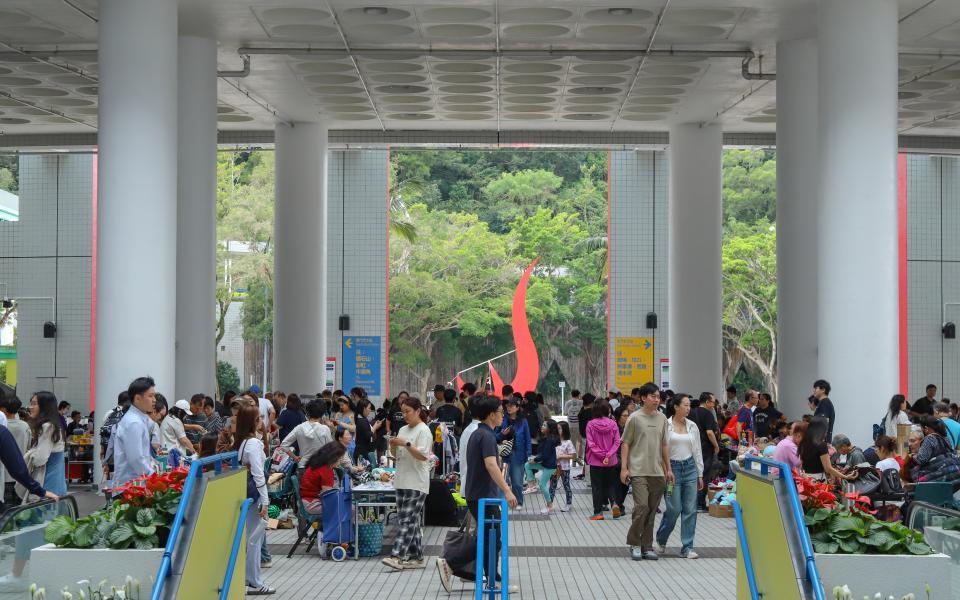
(603, 443)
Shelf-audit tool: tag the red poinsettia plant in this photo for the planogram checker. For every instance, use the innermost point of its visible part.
(159, 490)
(814, 494)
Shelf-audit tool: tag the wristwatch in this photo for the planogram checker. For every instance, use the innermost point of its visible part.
(408, 444)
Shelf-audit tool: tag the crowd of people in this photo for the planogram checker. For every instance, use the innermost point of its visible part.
(658, 447)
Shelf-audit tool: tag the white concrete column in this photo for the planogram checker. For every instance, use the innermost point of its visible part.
(857, 233)
(696, 232)
(196, 217)
(137, 204)
(300, 258)
(798, 170)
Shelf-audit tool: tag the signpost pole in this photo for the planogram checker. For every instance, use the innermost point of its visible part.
(563, 384)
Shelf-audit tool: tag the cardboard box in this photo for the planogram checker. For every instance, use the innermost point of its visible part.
(721, 511)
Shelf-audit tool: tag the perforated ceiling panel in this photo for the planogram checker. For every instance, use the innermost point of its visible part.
(478, 65)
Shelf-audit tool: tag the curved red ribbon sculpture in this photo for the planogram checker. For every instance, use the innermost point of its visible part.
(528, 361)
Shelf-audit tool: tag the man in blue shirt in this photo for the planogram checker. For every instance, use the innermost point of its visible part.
(132, 445)
(941, 410)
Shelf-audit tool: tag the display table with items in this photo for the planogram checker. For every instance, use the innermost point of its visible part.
(373, 503)
(79, 459)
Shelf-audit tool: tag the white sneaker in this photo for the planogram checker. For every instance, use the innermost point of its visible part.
(691, 554)
(445, 574)
(12, 583)
(546, 511)
(565, 508)
(662, 549)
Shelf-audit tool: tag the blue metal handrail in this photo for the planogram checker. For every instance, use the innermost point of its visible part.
(745, 548)
(810, 562)
(237, 537)
(196, 470)
(504, 551)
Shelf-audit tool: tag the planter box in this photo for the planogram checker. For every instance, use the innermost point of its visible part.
(53, 568)
(896, 575)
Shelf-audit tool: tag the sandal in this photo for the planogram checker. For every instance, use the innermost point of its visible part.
(263, 590)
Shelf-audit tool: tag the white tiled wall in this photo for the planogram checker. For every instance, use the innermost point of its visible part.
(357, 250)
(638, 250)
(45, 258)
(933, 272)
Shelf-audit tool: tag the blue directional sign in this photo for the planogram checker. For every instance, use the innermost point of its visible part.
(361, 363)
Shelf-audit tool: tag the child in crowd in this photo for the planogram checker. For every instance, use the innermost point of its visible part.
(566, 452)
(545, 461)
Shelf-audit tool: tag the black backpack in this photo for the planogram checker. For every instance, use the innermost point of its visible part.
(106, 430)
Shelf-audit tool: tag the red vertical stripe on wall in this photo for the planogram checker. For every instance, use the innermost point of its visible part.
(93, 287)
(609, 271)
(902, 245)
(386, 351)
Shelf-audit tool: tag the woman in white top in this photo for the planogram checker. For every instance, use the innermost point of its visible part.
(413, 451)
(309, 436)
(896, 415)
(887, 451)
(252, 456)
(686, 460)
(172, 434)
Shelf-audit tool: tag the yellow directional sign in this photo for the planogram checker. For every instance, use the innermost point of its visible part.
(348, 342)
(633, 362)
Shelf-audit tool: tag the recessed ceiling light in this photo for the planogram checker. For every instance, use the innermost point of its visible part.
(375, 11)
(620, 12)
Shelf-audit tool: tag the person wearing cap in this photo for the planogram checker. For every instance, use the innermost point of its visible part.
(172, 434)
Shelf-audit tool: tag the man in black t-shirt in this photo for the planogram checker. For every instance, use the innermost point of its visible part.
(924, 406)
(765, 417)
(705, 416)
(484, 479)
(821, 392)
(449, 412)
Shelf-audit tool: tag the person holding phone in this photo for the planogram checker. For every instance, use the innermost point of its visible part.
(516, 428)
(366, 445)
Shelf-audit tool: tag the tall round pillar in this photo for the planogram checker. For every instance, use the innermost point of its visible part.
(696, 232)
(300, 258)
(798, 171)
(196, 217)
(137, 198)
(857, 232)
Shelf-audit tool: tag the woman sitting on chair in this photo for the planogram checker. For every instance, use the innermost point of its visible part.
(319, 477)
(935, 459)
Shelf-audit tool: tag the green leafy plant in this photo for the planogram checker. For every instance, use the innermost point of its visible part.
(847, 531)
(140, 518)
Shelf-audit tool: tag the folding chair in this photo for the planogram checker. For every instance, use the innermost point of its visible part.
(308, 525)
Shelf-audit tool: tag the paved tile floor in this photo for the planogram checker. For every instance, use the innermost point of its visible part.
(551, 558)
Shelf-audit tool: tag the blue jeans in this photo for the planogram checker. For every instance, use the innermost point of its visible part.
(682, 503)
(515, 471)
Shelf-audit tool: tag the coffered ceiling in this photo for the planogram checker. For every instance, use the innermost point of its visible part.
(474, 65)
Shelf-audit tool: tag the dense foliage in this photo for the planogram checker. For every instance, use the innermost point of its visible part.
(481, 218)
(466, 223)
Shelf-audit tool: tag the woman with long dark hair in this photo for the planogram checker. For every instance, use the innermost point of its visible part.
(250, 449)
(319, 477)
(365, 444)
(412, 449)
(47, 442)
(815, 454)
(896, 415)
(346, 418)
(686, 462)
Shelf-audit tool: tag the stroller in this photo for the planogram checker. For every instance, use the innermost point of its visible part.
(338, 525)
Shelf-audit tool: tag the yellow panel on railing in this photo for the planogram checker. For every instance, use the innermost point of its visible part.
(767, 538)
(212, 540)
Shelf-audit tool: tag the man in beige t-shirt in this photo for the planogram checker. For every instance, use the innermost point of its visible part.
(646, 465)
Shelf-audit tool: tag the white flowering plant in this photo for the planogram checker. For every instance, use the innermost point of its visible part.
(130, 590)
(842, 592)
